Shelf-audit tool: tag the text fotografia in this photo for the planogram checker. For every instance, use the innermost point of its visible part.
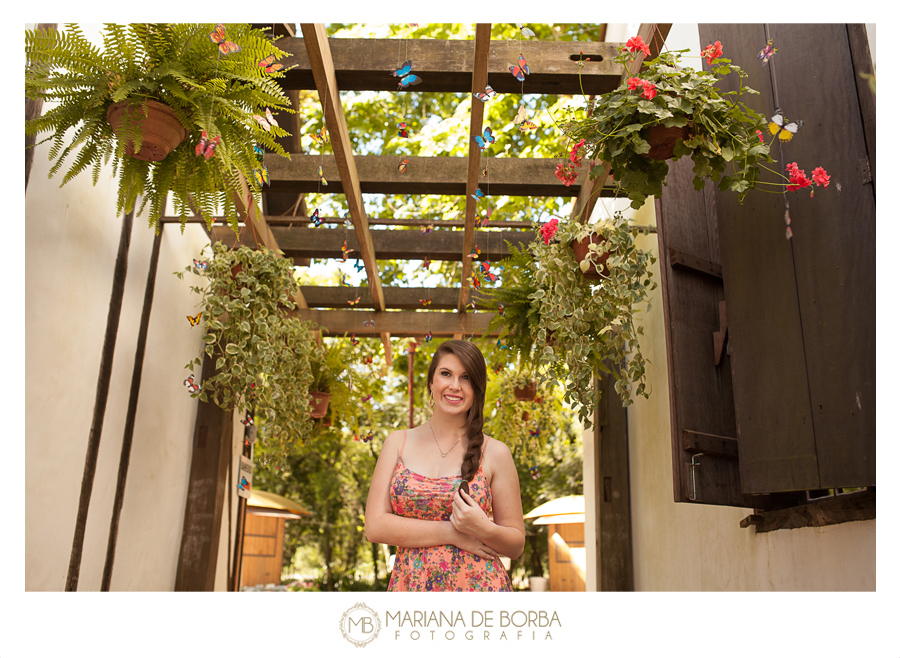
(487, 625)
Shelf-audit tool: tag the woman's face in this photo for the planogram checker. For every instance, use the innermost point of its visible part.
(451, 386)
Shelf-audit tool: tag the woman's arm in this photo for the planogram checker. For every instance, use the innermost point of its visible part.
(385, 527)
(506, 533)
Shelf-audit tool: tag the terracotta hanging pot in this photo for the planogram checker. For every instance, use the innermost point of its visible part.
(161, 128)
(319, 404)
(526, 416)
(525, 393)
(662, 141)
(580, 247)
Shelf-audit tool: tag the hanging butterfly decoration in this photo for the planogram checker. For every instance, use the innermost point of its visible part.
(195, 320)
(428, 337)
(243, 485)
(366, 398)
(252, 392)
(345, 251)
(404, 69)
(368, 437)
(489, 94)
(406, 78)
(426, 302)
(534, 472)
(500, 309)
(201, 264)
(319, 137)
(782, 127)
(191, 386)
(248, 421)
(476, 282)
(426, 263)
(369, 323)
(525, 31)
(322, 176)
(536, 432)
(490, 277)
(403, 132)
(521, 120)
(402, 166)
(486, 139)
(315, 219)
(485, 268)
(427, 229)
(520, 70)
(267, 122)
(206, 147)
(344, 281)
(501, 347)
(478, 195)
(269, 65)
(497, 367)
(261, 173)
(354, 340)
(475, 253)
(482, 221)
(360, 266)
(354, 302)
(499, 404)
(484, 172)
(226, 47)
(368, 360)
(766, 53)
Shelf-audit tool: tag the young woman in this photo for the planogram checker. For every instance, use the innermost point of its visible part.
(446, 538)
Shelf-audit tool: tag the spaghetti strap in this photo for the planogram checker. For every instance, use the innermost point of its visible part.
(402, 445)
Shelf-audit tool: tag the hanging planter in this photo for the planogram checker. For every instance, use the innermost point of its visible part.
(525, 393)
(662, 140)
(319, 404)
(581, 248)
(157, 122)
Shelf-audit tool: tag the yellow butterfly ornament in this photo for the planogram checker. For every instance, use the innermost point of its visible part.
(783, 128)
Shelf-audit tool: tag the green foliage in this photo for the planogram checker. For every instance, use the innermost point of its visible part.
(262, 355)
(173, 63)
(591, 326)
(721, 140)
(519, 320)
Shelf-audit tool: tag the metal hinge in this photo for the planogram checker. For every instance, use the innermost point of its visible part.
(865, 171)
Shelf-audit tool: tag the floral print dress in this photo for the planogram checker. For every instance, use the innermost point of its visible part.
(440, 568)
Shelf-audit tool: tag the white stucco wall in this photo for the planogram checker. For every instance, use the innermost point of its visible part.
(71, 239)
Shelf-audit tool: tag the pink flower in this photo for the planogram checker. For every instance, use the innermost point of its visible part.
(760, 135)
(711, 52)
(549, 229)
(820, 177)
(574, 153)
(798, 177)
(635, 44)
(649, 90)
(566, 173)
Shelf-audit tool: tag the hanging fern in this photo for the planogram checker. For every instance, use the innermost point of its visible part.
(173, 63)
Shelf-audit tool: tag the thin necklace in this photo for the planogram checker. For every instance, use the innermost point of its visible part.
(443, 454)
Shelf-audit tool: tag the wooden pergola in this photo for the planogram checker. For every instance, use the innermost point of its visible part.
(333, 65)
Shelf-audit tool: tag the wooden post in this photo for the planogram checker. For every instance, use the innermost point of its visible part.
(241, 523)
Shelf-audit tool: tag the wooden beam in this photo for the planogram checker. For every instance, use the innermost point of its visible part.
(402, 244)
(400, 323)
(394, 298)
(479, 80)
(319, 53)
(303, 220)
(653, 34)
(447, 65)
(378, 174)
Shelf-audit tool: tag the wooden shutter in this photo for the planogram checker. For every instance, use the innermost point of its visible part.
(801, 312)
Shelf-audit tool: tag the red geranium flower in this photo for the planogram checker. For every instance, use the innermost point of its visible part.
(566, 173)
(798, 177)
(760, 135)
(711, 52)
(573, 154)
(549, 229)
(635, 44)
(820, 177)
(634, 83)
(649, 90)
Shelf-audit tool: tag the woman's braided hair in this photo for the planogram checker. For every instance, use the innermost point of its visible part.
(473, 363)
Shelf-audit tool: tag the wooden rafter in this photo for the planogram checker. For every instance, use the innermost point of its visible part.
(399, 298)
(653, 34)
(401, 244)
(319, 53)
(446, 65)
(379, 174)
(303, 220)
(479, 80)
(400, 323)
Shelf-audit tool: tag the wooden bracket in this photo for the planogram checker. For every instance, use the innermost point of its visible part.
(720, 337)
(753, 519)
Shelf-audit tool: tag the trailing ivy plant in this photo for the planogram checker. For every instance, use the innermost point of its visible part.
(590, 324)
(518, 317)
(263, 356)
(723, 135)
(177, 64)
